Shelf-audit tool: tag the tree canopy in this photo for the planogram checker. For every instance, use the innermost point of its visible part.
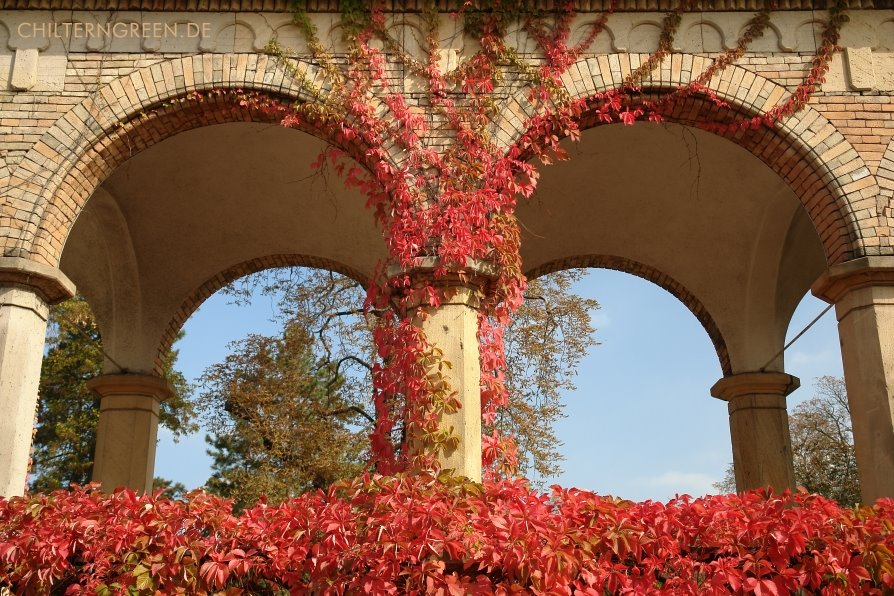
(280, 425)
(823, 443)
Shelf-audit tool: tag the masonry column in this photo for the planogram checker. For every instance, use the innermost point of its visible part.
(758, 423)
(127, 430)
(453, 328)
(863, 293)
(26, 291)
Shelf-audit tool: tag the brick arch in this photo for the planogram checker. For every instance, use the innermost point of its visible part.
(885, 175)
(210, 286)
(657, 277)
(60, 172)
(831, 180)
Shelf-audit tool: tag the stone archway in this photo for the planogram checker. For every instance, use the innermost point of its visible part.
(833, 211)
(95, 199)
(130, 400)
(821, 166)
(708, 220)
(53, 182)
(838, 217)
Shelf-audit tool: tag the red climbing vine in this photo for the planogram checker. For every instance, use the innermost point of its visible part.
(443, 185)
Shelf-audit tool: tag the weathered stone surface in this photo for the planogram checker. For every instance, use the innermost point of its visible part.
(859, 67)
(127, 431)
(758, 421)
(23, 323)
(863, 294)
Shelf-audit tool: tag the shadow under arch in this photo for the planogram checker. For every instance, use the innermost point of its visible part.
(648, 273)
(828, 176)
(57, 176)
(210, 286)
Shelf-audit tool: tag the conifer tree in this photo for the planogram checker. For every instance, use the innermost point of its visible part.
(280, 425)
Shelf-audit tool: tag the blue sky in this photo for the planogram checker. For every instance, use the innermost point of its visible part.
(641, 424)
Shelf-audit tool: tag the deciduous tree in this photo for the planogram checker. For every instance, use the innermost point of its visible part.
(823, 443)
(323, 362)
(545, 342)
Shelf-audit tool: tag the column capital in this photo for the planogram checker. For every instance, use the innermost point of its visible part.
(840, 279)
(130, 386)
(755, 383)
(49, 282)
(426, 267)
(467, 285)
(127, 429)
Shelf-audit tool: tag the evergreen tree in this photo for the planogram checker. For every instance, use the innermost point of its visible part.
(280, 424)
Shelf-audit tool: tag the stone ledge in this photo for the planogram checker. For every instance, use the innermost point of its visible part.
(52, 284)
(427, 265)
(417, 5)
(840, 279)
(754, 383)
(127, 390)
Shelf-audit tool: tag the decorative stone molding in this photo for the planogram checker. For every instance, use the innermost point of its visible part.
(51, 283)
(128, 392)
(414, 5)
(760, 387)
(426, 265)
(465, 286)
(58, 33)
(845, 277)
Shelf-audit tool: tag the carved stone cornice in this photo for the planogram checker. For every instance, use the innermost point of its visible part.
(864, 272)
(56, 34)
(416, 5)
(51, 283)
(124, 392)
(466, 285)
(763, 389)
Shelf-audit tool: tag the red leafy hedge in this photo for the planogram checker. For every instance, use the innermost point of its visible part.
(418, 534)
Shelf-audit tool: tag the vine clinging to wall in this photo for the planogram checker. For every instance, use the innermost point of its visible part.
(443, 188)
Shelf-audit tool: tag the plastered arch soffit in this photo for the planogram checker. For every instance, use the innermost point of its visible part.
(831, 180)
(54, 180)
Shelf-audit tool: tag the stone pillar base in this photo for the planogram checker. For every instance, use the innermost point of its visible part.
(128, 429)
(758, 421)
